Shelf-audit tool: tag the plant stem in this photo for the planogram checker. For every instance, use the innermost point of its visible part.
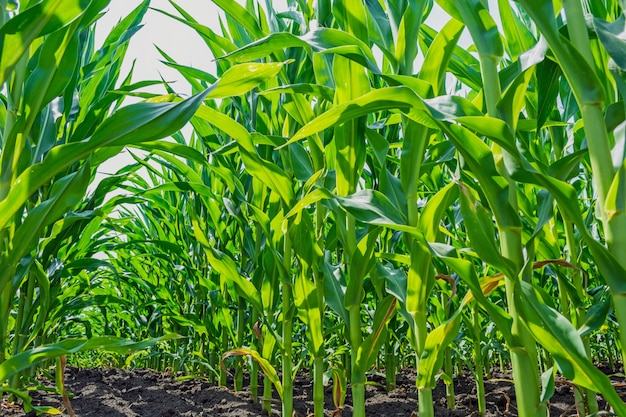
(254, 371)
(478, 359)
(357, 383)
(424, 395)
(491, 83)
(223, 372)
(599, 156)
(7, 175)
(588, 397)
(390, 357)
(318, 386)
(357, 377)
(420, 276)
(524, 355)
(24, 304)
(447, 364)
(598, 142)
(576, 22)
(287, 335)
(239, 363)
(449, 370)
(267, 395)
(318, 360)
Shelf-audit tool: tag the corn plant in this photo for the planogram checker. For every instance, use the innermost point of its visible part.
(483, 131)
(354, 178)
(61, 118)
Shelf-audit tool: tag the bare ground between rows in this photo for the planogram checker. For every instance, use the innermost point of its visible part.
(122, 393)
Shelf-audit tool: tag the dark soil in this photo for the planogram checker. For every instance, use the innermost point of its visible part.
(120, 393)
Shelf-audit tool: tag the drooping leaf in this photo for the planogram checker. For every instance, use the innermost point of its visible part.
(557, 335)
(265, 365)
(28, 358)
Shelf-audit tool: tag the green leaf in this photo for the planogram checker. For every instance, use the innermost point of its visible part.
(615, 204)
(582, 78)
(43, 283)
(319, 91)
(313, 197)
(420, 278)
(439, 55)
(227, 268)
(322, 40)
(451, 107)
(493, 128)
(613, 38)
(389, 98)
(396, 281)
(362, 262)
(269, 173)
(595, 317)
(465, 270)
(28, 358)
(519, 38)
(301, 163)
(407, 32)
(435, 209)
(482, 164)
(40, 19)
(463, 64)
(136, 123)
(242, 78)
(547, 385)
(548, 76)
(480, 24)
(65, 194)
(432, 356)
(513, 100)
(557, 335)
(334, 289)
(391, 187)
(481, 231)
(54, 70)
(372, 207)
(567, 198)
(218, 44)
(369, 348)
(241, 16)
(379, 23)
(27, 403)
(172, 148)
(307, 308)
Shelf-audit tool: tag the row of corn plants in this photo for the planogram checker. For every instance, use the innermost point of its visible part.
(357, 193)
(62, 116)
(60, 119)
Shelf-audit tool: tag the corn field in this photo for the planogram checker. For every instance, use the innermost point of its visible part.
(357, 193)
